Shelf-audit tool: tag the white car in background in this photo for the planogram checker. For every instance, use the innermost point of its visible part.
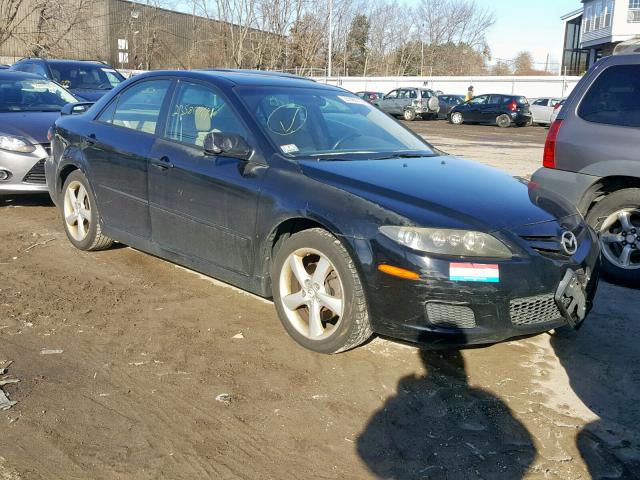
(542, 109)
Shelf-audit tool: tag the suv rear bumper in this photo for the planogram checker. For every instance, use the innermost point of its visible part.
(571, 185)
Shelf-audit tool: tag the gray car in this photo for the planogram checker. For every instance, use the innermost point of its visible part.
(29, 105)
(410, 103)
(592, 158)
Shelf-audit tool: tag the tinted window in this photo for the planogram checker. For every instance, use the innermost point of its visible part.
(614, 98)
(543, 102)
(85, 76)
(138, 107)
(426, 93)
(197, 110)
(495, 99)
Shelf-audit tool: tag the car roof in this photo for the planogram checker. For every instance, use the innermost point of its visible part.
(255, 78)
(71, 62)
(16, 75)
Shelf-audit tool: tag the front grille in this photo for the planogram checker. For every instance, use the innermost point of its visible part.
(534, 310)
(450, 315)
(550, 245)
(36, 174)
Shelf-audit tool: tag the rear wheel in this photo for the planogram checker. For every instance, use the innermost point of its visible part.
(409, 115)
(616, 218)
(318, 294)
(503, 121)
(80, 214)
(456, 118)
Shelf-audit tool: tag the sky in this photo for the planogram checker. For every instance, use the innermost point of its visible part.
(528, 25)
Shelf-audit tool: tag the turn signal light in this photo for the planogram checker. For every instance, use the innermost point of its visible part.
(549, 156)
(398, 272)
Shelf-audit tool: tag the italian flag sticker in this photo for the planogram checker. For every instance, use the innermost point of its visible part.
(474, 272)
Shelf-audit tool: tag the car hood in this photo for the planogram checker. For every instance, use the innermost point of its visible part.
(31, 125)
(87, 94)
(443, 191)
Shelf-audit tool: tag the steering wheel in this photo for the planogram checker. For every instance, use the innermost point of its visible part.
(344, 139)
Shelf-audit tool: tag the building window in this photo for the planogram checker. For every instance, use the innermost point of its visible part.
(123, 57)
(123, 44)
(608, 15)
(634, 11)
(588, 17)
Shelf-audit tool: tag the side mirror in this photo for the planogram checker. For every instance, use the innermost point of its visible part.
(75, 108)
(228, 144)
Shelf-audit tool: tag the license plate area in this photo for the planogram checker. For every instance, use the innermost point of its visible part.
(571, 297)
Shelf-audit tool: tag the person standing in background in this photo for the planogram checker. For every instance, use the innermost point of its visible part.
(469, 93)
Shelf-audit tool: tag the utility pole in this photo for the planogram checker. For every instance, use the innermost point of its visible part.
(330, 37)
(422, 51)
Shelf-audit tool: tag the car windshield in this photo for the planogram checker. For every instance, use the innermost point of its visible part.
(32, 95)
(90, 77)
(313, 122)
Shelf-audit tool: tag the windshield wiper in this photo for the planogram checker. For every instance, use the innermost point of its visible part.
(404, 155)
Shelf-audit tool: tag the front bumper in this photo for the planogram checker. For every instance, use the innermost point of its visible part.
(26, 171)
(520, 304)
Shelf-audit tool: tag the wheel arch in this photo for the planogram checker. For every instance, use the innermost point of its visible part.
(603, 187)
(290, 226)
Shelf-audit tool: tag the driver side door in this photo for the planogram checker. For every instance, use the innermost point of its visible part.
(203, 206)
(388, 102)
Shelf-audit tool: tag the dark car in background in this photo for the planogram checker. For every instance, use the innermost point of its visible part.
(447, 102)
(493, 109)
(29, 105)
(308, 194)
(87, 80)
(410, 103)
(370, 96)
(592, 158)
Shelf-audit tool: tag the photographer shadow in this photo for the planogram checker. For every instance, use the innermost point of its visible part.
(602, 364)
(438, 426)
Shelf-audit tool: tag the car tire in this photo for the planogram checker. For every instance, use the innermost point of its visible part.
(80, 215)
(503, 121)
(456, 118)
(607, 217)
(298, 291)
(409, 115)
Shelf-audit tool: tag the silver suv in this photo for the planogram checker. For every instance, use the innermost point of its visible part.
(592, 157)
(410, 103)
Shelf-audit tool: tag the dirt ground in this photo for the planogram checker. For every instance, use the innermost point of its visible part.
(147, 348)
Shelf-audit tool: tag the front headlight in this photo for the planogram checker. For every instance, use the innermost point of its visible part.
(15, 144)
(442, 241)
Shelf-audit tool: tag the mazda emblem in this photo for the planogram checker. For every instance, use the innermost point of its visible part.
(569, 243)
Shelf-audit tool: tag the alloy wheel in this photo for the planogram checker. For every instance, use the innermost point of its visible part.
(620, 238)
(77, 211)
(456, 118)
(312, 294)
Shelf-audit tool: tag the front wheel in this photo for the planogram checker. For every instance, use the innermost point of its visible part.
(456, 118)
(503, 121)
(318, 293)
(80, 214)
(616, 218)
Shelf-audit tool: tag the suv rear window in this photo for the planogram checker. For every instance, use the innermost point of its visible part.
(614, 98)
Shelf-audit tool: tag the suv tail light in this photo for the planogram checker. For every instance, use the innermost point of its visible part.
(549, 156)
(513, 106)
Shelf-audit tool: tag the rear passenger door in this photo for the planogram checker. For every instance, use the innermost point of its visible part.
(494, 107)
(117, 146)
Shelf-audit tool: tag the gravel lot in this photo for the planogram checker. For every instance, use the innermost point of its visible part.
(148, 348)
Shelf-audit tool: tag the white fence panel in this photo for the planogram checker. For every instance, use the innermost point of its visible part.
(531, 87)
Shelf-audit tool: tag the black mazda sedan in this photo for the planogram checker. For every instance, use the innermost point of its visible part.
(310, 195)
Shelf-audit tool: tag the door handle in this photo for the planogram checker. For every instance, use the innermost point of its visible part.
(91, 139)
(162, 163)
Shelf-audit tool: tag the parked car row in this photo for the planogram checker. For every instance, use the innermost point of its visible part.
(496, 109)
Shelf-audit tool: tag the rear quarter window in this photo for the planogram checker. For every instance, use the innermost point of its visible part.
(614, 98)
